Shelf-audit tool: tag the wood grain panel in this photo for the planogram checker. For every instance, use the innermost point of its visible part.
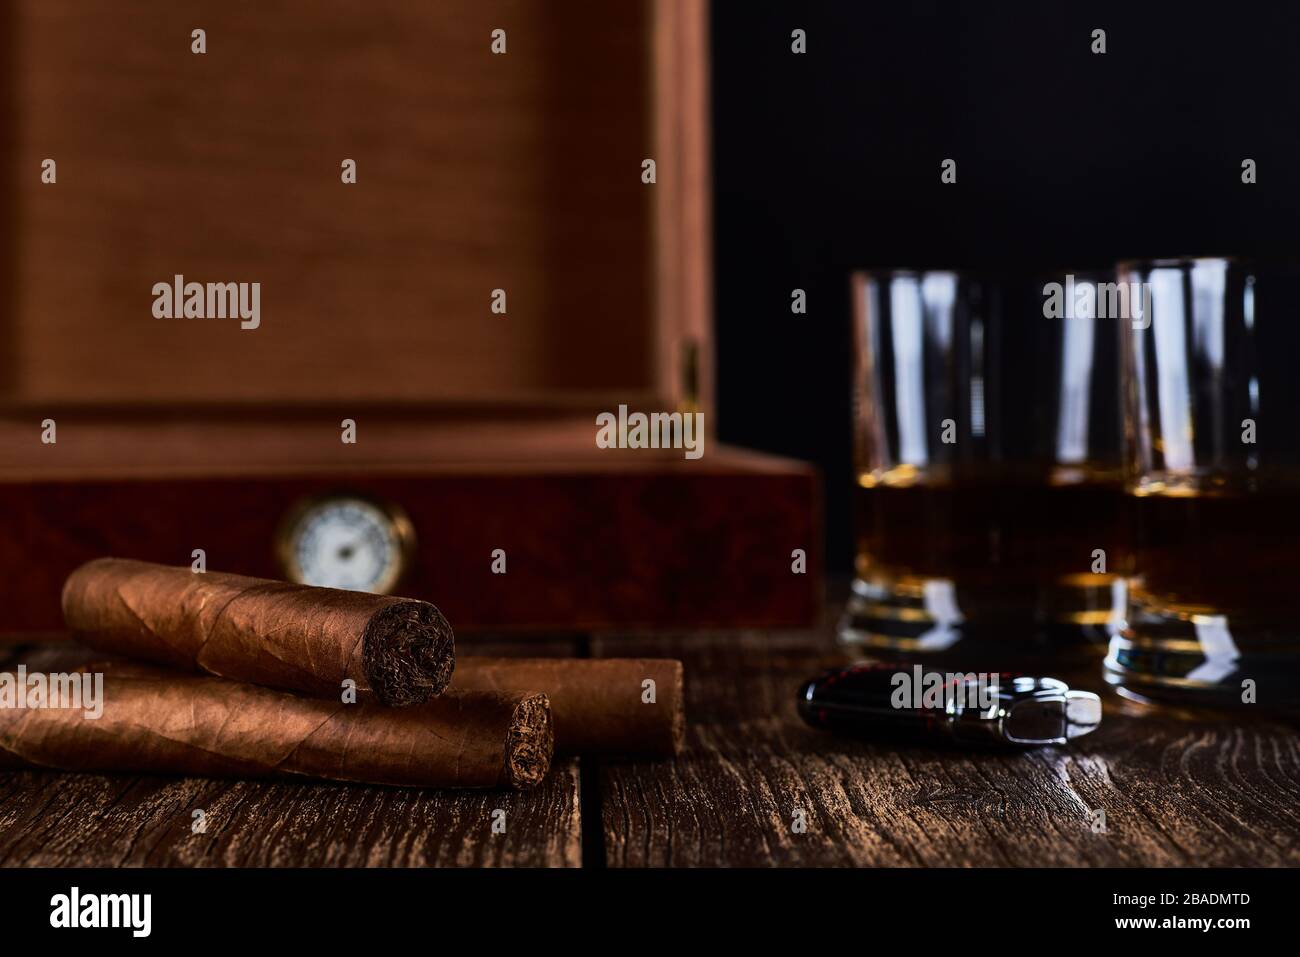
(49, 819)
(1203, 790)
(1178, 790)
(475, 172)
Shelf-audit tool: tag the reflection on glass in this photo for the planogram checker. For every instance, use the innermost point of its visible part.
(987, 448)
(1212, 409)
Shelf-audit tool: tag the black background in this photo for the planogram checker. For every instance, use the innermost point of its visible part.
(830, 160)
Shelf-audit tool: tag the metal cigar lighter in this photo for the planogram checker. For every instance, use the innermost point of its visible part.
(912, 702)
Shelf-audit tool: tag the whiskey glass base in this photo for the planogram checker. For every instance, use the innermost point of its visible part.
(1007, 625)
(1200, 657)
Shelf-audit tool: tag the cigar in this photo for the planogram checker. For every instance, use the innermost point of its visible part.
(599, 705)
(277, 634)
(157, 721)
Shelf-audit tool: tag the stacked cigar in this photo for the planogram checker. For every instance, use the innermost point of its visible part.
(262, 678)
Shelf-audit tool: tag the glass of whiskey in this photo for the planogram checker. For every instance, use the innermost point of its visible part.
(1212, 454)
(987, 436)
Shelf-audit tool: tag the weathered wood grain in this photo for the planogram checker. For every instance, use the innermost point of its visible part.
(1199, 791)
(73, 820)
(50, 819)
(1177, 790)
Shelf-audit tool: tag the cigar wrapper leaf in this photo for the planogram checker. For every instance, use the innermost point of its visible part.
(296, 637)
(158, 721)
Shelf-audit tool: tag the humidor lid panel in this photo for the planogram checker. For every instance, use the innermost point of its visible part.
(475, 172)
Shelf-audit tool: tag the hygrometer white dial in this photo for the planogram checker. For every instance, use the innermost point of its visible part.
(346, 542)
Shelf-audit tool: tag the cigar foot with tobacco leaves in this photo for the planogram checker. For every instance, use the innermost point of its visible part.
(397, 650)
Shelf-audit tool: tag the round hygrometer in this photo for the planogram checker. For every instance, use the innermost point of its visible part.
(348, 542)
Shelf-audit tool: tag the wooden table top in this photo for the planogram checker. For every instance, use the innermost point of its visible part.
(1176, 791)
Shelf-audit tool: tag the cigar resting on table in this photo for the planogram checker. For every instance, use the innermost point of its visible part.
(158, 721)
(297, 637)
(599, 705)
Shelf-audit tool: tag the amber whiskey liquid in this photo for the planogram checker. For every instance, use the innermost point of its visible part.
(1218, 554)
(1212, 615)
(1018, 559)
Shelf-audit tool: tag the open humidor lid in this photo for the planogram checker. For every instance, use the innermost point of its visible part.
(484, 181)
(515, 179)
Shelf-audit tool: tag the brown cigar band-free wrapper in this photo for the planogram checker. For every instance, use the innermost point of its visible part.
(157, 721)
(270, 633)
(599, 705)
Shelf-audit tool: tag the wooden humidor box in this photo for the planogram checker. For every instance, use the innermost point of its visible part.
(475, 172)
